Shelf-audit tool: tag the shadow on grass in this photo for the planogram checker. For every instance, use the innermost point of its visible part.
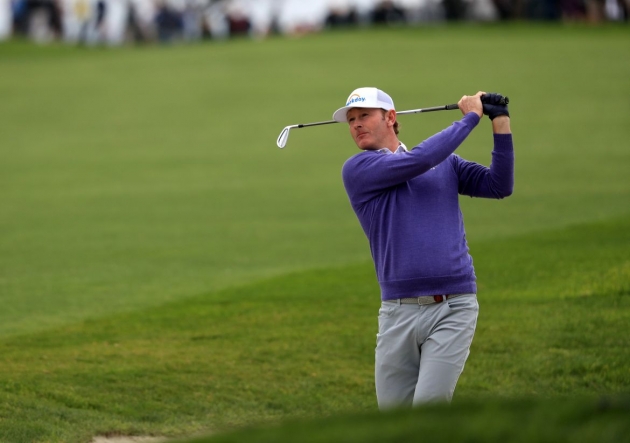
(576, 420)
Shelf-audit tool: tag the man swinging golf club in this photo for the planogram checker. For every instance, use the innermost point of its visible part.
(407, 204)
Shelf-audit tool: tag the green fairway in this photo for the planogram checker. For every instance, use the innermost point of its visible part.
(165, 269)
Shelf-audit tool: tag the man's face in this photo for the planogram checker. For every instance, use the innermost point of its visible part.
(369, 127)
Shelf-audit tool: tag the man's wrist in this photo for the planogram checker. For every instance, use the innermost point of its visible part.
(501, 125)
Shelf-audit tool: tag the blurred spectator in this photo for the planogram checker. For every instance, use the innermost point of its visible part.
(548, 10)
(263, 15)
(141, 19)
(616, 10)
(573, 10)
(116, 22)
(169, 22)
(508, 9)
(422, 11)
(75, 17)
(364, 9)
(97, 34)
(341, 14)
(386, 12)
(19, 10)
(215, 18)
(40, 20)
(238, 20)
(192, 20)
(455, 10)
(481, 11)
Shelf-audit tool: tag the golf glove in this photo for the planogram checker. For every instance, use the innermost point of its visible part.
(495, 105)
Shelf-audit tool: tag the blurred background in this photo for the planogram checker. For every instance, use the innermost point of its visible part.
(118, 22)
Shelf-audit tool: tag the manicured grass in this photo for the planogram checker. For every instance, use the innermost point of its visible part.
(301, 346)
(166, 270)
(139, 176)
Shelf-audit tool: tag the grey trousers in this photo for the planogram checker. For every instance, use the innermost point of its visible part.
(421, 350)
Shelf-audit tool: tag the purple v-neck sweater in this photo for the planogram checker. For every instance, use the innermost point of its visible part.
(408, 206)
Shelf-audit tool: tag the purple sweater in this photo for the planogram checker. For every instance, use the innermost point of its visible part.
(408, 206)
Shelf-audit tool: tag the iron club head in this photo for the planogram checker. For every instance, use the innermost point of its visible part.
(284, 136)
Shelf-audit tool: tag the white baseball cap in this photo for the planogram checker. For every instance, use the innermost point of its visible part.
(364, 98)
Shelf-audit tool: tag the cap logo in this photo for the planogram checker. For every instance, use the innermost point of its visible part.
(355, 98)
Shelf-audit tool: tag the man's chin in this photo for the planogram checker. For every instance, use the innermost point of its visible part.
(364, 146)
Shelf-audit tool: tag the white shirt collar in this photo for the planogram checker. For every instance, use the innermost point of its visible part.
(401, 148)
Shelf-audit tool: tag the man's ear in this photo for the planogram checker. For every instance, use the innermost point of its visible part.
(390, 117)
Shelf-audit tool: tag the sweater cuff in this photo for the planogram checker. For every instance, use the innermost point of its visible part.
(503, 142)
(471, 119)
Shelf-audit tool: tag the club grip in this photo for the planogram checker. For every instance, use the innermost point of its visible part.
(451, 107)
(503, 100)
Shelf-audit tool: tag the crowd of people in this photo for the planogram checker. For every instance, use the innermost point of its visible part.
(116, 22)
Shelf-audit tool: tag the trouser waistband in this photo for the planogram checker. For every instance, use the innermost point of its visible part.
(424, 300)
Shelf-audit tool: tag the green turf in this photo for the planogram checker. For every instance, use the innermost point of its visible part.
(165, 269)
(137, 176)
(301, 346)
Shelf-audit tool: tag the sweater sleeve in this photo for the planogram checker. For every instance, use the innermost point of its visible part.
(497, 181)
(369, 173)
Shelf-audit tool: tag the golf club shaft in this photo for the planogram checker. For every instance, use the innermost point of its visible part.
(435, 108)
(284, 135)
(411, 111)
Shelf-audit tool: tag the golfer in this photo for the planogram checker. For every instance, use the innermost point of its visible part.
(407, 204)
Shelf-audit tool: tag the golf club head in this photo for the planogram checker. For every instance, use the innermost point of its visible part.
(283, 137)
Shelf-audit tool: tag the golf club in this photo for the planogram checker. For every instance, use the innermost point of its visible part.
(284, 135)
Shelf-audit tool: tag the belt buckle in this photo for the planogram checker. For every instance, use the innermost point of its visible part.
(440, 298)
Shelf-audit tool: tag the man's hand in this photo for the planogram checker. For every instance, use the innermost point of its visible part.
(495, 105)
(471, 103)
